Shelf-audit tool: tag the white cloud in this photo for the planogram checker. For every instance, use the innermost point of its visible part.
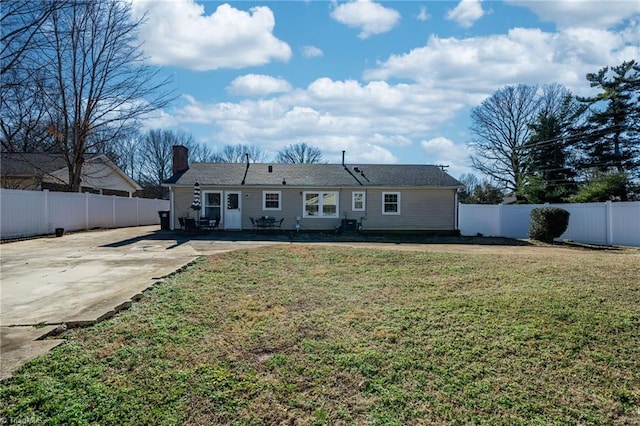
(480, 65)
(371, 18)
(178, 33)
(466, 13)
(423, 15)
(582, 13)
(441, 81)
(258, 85)
(368, 120)
(443, 151)
(311, 52)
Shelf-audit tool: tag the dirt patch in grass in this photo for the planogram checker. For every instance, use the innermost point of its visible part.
(315, 334)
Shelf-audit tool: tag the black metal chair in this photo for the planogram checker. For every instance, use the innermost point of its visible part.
(190, 225)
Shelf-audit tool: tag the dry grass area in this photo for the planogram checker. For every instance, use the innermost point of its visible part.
(302, 335)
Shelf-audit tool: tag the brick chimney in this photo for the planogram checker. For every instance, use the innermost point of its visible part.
(180, 158)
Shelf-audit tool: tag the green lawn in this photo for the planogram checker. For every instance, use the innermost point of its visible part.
(302, 335)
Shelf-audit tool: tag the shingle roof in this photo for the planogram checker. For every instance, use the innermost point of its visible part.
(314, 175)
(23, 164)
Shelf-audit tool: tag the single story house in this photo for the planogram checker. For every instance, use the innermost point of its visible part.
(40, 171)
(319, 197)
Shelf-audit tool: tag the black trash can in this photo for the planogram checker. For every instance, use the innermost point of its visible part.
(164, 220)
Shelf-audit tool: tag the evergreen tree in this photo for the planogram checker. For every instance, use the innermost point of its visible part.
(552, 177)
(611, 135)
(602, 187)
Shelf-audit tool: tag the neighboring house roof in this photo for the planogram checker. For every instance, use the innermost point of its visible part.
(314, 175)
(98, 172)
(23, 164)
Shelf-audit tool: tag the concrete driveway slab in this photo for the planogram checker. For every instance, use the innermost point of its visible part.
(21, 344)
(78, 279)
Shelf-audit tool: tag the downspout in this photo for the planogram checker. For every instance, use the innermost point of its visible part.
(456, 212)
(172, 208)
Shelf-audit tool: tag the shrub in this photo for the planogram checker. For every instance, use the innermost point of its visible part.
(548, 223)
(602, 187)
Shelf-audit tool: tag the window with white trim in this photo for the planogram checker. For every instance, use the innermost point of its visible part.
(320, 204)
(390, 203)
(358, 199)
(272, 200)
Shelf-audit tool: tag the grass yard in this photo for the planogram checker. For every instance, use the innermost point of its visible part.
(304, 335)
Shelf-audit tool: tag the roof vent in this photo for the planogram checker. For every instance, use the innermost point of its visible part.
(270, 169)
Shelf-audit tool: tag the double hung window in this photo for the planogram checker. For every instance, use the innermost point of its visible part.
(271, 200)
(358, 201)
(390, 203)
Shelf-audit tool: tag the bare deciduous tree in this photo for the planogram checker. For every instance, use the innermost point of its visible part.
(22, 126)
(20, 23)
(199, 152)
(155, 154)
(237, 154)
(501, 129)
(94, 79)
(299, 153)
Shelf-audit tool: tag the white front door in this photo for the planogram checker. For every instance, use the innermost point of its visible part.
(233, 210)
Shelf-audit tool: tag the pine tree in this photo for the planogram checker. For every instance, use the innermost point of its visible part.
(611, 137)
(552, 177)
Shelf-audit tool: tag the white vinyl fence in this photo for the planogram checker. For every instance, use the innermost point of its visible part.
(598, 223)
(28, 213)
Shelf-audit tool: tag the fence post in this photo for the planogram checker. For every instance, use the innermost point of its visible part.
(47, 215)
(608, 216)
(86, 213)
(113, 206)
(500, 220)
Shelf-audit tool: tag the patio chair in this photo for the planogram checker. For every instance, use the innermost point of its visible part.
(181, 222)
(190, 225)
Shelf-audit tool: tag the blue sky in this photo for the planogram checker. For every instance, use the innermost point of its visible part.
(387, 81)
